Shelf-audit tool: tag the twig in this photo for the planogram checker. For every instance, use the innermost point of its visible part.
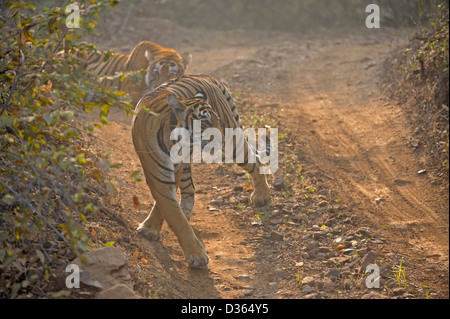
(21, 198)
(46, 61)
(13, 88)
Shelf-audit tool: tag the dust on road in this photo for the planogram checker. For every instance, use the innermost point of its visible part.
(355, 142)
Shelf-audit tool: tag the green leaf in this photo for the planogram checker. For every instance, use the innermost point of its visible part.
(109, 244)
(40, 255)
(25, 283)
(81, 159)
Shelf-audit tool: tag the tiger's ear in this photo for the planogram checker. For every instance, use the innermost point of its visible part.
(148, 56)
(200, 95)
(177, 107)
(187, 59)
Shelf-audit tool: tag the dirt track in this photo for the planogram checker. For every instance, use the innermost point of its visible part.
(354, 146)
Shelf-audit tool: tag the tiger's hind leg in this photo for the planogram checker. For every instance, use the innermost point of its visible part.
(187, 190)
(261, 194)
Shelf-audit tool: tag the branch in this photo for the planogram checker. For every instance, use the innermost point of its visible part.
(13, 88)
(21, 198)
(46, 61)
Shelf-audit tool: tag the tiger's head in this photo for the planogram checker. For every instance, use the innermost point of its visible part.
(188, 110)
(163, 67)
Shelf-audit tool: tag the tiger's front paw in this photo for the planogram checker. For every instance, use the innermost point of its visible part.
(196, 256)
(198, 260)
(148, 234)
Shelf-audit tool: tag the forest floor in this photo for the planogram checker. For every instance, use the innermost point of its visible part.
(356, 190)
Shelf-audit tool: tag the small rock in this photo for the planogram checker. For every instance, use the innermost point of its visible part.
(276, 221)
(333, 274)
(107, 266)
(238, 189)
(276, 236)
(398, 291)
(364, 233)
(324, 250)
(347, 284)
(216, 202)
(299, 217)
(243, 276)
(248, 292)
(328, 285)
(312, 246)
(119, 291)
(87, 279)
(276, 212)
(318, 235)
(307, 289)
(414, 143)
(423, 171)
(339, 260)
(278, 183)
(312, 254)
(368, 259)
(321, 295)
(308, 281)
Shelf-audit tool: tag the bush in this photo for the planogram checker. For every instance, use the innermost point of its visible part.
(48, 182)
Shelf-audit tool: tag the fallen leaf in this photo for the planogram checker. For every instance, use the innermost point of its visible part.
(135, 202)
(144, 261)
(136, 254)
(249, 188)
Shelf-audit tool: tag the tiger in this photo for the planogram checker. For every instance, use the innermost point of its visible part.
(161, 64)
(176, 104)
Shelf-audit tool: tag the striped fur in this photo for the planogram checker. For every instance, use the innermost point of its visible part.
(161, 64)
(151, 130)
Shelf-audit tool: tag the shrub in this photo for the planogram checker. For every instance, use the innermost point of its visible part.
(48, 182)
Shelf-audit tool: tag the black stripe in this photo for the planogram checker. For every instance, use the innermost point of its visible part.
(160, 139)
(178, 91)
(186, 169)
(185, 88)
(167, 197)
(159, 164)
(107, 64)
(185, 187)
(98, 56)
(185, 179)
(112, 68)
(161, 181)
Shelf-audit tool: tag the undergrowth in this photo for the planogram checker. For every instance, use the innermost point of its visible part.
(48, 181)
